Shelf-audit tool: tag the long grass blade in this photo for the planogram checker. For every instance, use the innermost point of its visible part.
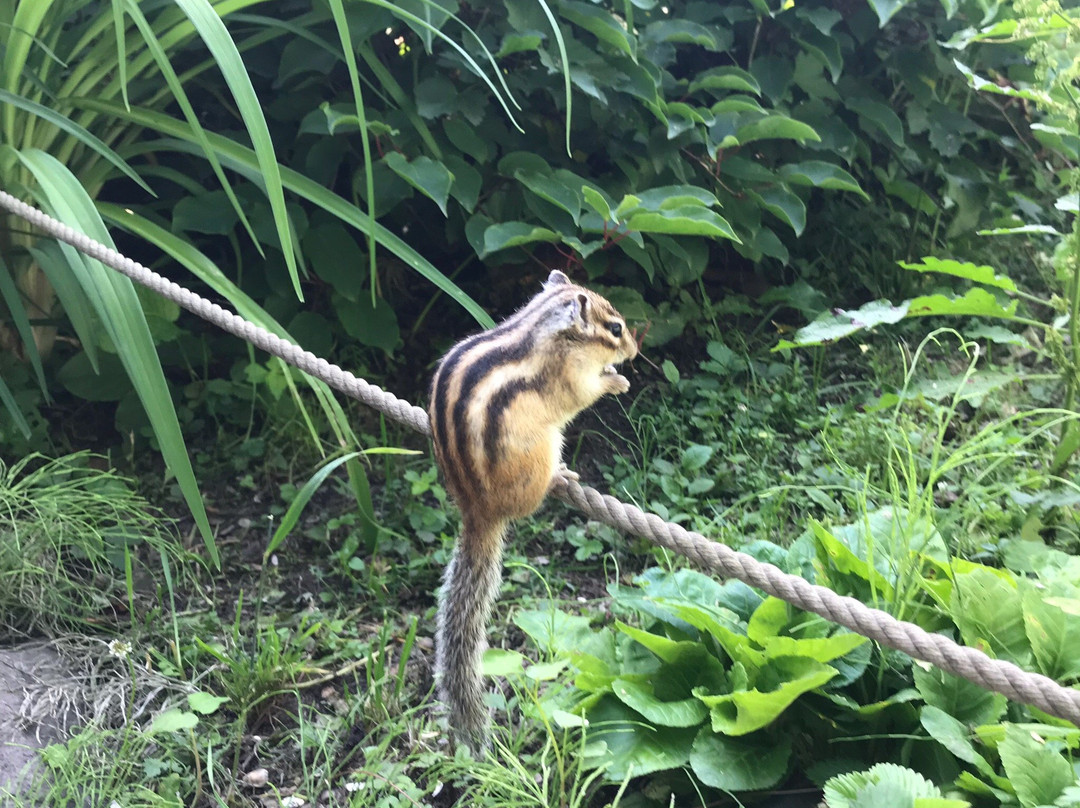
(203, 268)
(56, 261)
(240, 158)
(24, 28)
(400, 12)
(216, 37)
(561, 44)
(76, 131)
(338, 10)
(12, 406)
(9, 293)
(303, 496)
(118, 308)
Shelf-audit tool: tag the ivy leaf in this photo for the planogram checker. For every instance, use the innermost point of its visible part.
(776, 127)
(980, 274)
(739, 764)
(820, 174)
(683, 221)
(429, 177)
(514, 234)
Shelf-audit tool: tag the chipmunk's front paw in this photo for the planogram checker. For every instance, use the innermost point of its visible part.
(563, 474)
(614, 383)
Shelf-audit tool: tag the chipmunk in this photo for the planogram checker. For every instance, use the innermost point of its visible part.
(500, 401)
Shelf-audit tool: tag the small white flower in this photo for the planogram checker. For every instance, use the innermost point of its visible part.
(119, 649)
(293, 801)
(353, 786)
(115, 804)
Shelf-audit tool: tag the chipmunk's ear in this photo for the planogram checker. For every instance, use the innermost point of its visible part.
(556, 278)
(570, 315)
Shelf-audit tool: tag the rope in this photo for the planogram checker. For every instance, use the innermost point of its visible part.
(993, 674)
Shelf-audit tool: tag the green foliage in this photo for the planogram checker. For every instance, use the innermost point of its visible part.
(68, 534)
(708, 684)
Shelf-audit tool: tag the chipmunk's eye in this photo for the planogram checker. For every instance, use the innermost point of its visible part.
(615, 328)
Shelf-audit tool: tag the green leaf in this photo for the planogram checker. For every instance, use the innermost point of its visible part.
(964, 700)
(686, 32)
(985, 85)
(885, 784)
(1038, 773)
(954, 736)
(725, 78)
(501, 662)
(117, 306)
(684, 221)
(376, 325)
(987, 609)
(552, 190)
(980, 274)
(739, 764)
(744, 711)
(633, 750)
(173, 720)
(600, 23)
(1054, 634)
(885, 9)
(204, 703)
(674, 196)
(209, 213)
(687, 712)
(821, 175)
(504, 235)
(976, 302)
(429, 177)
(785, 205)
(831, 327)
(775, 127)
(880, 115)
(598, 202)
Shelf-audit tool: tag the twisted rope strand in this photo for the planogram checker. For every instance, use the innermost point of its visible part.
(969, 663)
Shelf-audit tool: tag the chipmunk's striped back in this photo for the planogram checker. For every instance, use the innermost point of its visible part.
(499, 403)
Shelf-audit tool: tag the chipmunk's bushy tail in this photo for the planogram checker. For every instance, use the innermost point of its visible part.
(470, 586)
